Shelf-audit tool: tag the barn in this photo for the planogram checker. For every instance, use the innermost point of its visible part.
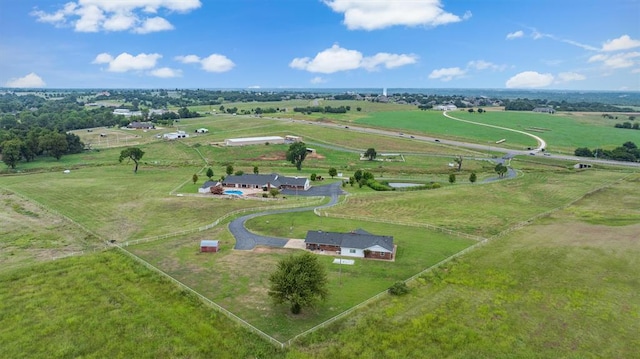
(209, 246)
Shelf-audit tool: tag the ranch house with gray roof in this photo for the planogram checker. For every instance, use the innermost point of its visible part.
(358, 243)
(266, 181)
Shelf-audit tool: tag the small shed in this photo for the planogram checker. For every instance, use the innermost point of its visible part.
(208, 246)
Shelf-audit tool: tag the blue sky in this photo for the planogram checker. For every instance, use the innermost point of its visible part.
(541, 44)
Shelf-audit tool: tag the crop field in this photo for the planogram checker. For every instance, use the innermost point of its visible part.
(434, 123)
(564, 132)
(557, 277)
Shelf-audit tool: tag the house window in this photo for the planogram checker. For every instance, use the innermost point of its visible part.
(352, 250)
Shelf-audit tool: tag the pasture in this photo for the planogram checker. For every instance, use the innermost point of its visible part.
(557, 260)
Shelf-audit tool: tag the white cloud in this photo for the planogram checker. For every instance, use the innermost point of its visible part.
(616, 61)
(336, 58)
(217, 63)
(447, 73)
(529, 79)
(153, 24)
(166, 72)
(29, 81)
(189, 59)
(485, 65)
(212, 63)
(570, 76)
(127, 62)
(624, 42)
(115, 15)
(515, 35)
(635, 71)
(380, 14)
(254, 87)
(389, 61)
(318, 80)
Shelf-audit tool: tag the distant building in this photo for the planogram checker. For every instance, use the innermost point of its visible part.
(175, 135)
(254, 141)
(202, 130)
(544, 110)
(445, 107)
(141, 125)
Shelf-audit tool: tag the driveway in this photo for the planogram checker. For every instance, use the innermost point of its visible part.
(246, 240)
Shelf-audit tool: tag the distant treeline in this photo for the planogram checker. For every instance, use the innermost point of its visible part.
(529, 105)
(628, 152)
(322, 109)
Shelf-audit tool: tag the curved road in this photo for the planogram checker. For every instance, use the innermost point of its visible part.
(246, 240)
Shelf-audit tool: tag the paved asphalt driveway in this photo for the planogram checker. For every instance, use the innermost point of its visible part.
(246, 240)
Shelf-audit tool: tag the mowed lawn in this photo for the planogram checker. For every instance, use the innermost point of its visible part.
(560, 287)
(238, 280)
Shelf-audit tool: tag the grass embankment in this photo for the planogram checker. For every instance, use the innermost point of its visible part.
(561, 287)
(479, 209)
(107, 306)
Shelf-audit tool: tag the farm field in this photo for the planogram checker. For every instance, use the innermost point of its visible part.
(564, 132)
(563, 286)
(557, 277)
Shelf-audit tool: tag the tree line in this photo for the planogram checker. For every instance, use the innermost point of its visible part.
(628, 152)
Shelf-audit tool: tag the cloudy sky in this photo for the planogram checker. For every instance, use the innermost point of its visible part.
(541, 44)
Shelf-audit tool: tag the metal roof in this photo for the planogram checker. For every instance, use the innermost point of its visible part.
(208, 243)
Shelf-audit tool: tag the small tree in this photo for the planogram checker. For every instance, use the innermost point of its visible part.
(333, 172)
(398, 288)
(371, 154)
(132, 153)
(501, 169)
(255, 170)
(458, 160)
(209, 173)
(357, 175)
(313, 177)
(195, 178)
(473, 177)
(229, 170)
(274, 192)
(452, 178)
(299, 280)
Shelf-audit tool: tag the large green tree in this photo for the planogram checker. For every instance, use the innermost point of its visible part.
(296, 153)
(333, 172)
(371, 154)
(209, 173)
(132, 153)
(299, 280)
(11, 154)
(55, 144)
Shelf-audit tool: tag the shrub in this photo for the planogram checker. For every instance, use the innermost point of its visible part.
(399, 288)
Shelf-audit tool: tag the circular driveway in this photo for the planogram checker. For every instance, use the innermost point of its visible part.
(246, 240)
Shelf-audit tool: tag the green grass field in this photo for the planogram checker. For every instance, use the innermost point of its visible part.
(558, 278)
